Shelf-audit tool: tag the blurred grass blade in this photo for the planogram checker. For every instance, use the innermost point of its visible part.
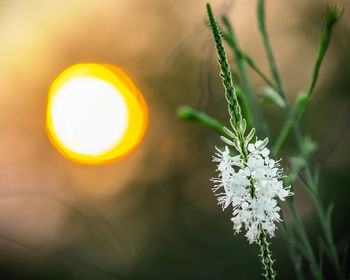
(290, 123)
(321, 251)
(190, 114)
(253, 65)
(330, 19)
(292, 248)
(266, 41)
(324, 247)
(282, 136)
(329, 214)
(300, 106)
(297, 112)
(315, 270)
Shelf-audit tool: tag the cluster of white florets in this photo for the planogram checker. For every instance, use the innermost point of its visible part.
(236, 177)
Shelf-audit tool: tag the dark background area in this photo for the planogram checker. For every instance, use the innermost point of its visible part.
(152, 215)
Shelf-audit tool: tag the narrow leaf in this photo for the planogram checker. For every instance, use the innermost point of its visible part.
(190, 114)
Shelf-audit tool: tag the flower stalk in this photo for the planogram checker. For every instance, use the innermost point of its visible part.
(266, 256)
(250, 180)
(252, 190)
(231, 97)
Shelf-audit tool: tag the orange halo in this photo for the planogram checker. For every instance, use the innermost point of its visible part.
(136, 109)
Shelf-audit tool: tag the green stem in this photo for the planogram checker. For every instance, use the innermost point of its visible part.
(266, 256)
(273, 66)
(253, 65)
(297, 134)
(191, 114)
(325, 222)
(226, 75)
(297, 113)
(281, 136)
(239, 124)
(331, 18)
(258, 119)
(266, 41)
(326, 227)
(291, 243)
(315, 270)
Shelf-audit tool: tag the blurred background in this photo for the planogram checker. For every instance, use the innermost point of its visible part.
(152, 215)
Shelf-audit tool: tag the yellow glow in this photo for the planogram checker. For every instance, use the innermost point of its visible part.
(95, 114)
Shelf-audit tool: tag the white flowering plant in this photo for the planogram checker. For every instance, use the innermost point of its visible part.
(253, 209)
(250, 179)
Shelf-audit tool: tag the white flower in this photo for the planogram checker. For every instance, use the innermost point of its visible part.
(261, 210)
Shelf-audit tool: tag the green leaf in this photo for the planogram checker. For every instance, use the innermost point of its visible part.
(229, 132)
(250, 136)
(227, 141)
(190, 114)
(331, 17)
(329, 214)
(300, 106)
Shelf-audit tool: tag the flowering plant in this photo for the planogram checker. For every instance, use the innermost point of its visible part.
(252, 190)
(252, 181)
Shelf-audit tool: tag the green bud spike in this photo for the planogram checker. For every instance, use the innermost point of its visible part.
(269, 94)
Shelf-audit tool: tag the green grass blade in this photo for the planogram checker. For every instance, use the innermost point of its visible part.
(266, 41)
(330, 19)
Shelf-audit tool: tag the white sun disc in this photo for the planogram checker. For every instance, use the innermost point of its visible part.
(89, 115)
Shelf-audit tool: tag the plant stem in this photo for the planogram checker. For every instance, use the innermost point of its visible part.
(266, 41)
(315, 270)
(324, 221)
(230, 93)
(259, 122)
(253, 65)
(239, 124)
(281, 136)
(289, 239)
(191, 114)
(266, 256)
(326, 227)
(273, 66)
(331, 18)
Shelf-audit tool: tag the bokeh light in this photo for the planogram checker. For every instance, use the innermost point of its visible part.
(95, 113)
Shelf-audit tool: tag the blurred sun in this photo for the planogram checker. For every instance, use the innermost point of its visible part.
(95, 114)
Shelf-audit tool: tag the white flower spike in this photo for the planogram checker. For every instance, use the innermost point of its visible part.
(236, 178)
